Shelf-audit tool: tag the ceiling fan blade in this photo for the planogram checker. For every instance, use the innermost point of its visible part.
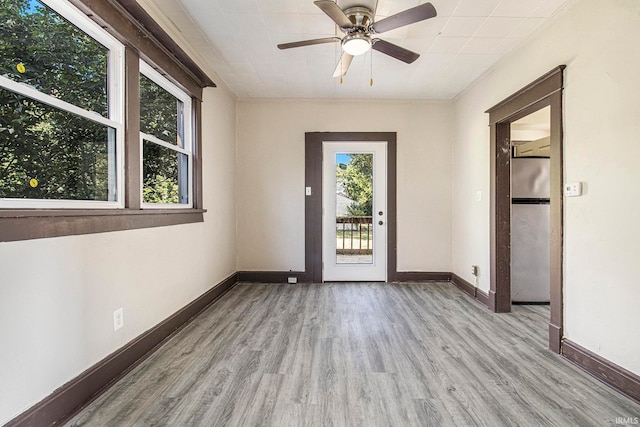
(395, 51)
(334, 12)
(409, 16)
(309, 42)
(343, 65)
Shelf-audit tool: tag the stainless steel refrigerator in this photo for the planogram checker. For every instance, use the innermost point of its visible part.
(530, 230)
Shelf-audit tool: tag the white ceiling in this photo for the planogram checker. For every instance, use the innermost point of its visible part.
(238, 38)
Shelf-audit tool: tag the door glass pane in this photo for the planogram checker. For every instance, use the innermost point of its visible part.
(354, 208)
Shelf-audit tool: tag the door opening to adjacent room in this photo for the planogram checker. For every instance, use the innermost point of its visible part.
(543, 92)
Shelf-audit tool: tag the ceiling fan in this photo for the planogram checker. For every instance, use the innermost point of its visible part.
(359, 27)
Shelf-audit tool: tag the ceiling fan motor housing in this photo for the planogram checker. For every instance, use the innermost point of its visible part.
(360, 17)
(357, 40)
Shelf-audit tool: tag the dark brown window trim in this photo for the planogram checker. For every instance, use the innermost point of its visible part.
(143, 38)
(37, 224)
(153, 31)
(131, 24)
(132, 154)
(74, 213)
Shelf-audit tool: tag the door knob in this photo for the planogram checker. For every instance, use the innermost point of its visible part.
(380, 222)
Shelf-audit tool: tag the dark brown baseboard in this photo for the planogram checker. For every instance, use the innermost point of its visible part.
(422, 276)
(282, 276)
(555, 338)
(463, 285)
(617, 377)
(492, 301)
(77, 393)
(482, 297)
(271, 276)
(469, 289)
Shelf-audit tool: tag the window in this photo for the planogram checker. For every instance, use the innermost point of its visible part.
(166, 140)
(61, 108)
(63, 115)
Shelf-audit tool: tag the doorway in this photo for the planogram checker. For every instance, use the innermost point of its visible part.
(314, 156)
(354, 206)
(543, 92)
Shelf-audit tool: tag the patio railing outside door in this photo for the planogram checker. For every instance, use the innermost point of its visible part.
(354, 235)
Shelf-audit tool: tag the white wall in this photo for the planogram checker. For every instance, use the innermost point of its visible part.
(58, 295)
(271, 166)
(598, 41)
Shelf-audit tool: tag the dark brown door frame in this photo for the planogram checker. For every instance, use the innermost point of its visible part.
(313, 203)
(545, 91)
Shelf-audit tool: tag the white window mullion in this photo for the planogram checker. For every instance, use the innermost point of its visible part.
(168, 145)
(163, 82)
(52, 101)
(57, 204)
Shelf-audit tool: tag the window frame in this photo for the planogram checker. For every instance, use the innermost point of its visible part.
(149, 72)
(116, 111)
(141, 37)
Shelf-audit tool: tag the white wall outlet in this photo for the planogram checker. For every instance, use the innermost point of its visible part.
(118, 319)
(292, 280)
(573, 189)
(478, 196)
(475, 270)
(307, 191)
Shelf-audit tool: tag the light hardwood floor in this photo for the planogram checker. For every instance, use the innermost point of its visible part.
(357, 354)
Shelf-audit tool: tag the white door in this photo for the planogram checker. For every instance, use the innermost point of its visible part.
(354, 202)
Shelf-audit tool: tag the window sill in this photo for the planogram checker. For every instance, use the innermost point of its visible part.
(27, 224)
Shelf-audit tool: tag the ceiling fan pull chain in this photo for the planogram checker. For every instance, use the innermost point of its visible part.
(371, 70)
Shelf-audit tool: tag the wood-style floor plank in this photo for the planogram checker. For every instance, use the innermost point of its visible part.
(357, 354)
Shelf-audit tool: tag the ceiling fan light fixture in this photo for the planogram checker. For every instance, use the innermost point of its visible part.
(356, 44)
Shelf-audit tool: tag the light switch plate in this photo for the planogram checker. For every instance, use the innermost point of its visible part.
(573, 189)
(478, 196)
(118, 319)
(307, 191)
